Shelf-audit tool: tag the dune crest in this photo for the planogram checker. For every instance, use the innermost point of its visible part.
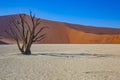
(65, 33)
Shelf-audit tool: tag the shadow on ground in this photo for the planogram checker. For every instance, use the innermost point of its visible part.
(72, 55)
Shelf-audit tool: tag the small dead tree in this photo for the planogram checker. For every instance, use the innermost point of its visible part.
(26, 33)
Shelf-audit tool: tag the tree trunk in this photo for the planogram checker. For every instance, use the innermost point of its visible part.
(27, 52)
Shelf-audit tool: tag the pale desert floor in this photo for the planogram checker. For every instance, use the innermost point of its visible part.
(61, 62)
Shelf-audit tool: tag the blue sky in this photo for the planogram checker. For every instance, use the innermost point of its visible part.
(101, 13)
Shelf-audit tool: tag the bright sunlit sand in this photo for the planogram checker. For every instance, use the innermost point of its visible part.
(61, 62)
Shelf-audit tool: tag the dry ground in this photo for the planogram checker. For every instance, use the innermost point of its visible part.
(61, 62)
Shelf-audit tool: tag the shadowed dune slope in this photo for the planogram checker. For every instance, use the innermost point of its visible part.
(1, 42)
(65, 33)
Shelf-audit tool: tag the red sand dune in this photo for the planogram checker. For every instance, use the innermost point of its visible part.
(60, 33)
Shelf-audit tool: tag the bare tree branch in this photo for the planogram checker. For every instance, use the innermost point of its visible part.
(16, 26)
(40, 30)
(26, 32)
(38, 37)
(28, 26)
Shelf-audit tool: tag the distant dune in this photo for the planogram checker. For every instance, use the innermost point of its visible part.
(65, 33)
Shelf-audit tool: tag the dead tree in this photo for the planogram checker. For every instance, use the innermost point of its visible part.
(26, 33)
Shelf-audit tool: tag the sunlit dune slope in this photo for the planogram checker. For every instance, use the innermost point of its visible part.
(65, 33)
